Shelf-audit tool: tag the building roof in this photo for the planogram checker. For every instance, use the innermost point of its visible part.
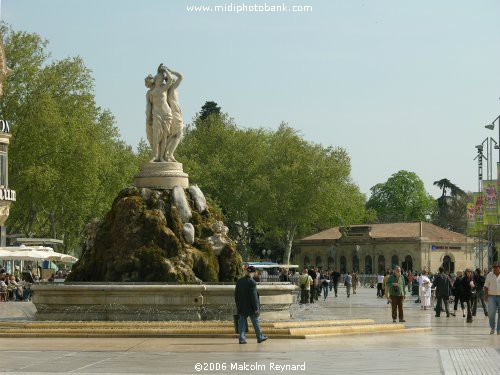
(409, 230)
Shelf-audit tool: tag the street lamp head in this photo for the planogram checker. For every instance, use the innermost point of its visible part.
(490, 126)
(479, 147)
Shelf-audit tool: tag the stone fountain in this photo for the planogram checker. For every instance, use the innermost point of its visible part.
(160, 253)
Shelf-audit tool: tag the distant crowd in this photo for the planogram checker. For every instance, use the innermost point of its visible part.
(466, 289)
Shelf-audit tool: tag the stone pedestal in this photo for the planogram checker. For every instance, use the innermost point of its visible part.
(161, 175)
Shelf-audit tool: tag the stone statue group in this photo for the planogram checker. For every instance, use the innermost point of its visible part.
(164, 125)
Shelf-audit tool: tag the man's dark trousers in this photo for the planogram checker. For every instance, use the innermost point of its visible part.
(304, 296)
(397, 307)
(440, 300)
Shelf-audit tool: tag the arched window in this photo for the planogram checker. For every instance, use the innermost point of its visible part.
(381, 264)
(307, 262)
(343, 264)
(319, 262)
(355, 263)
(394, 261)
(368, 265)
(331, 263)
(408, 263)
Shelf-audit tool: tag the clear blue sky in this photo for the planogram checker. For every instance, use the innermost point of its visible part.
(399, 84)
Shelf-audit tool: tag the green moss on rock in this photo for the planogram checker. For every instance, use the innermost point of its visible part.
(230, 264)
(141, 239)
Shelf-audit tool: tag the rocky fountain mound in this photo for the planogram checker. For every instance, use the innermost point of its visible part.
(158, 236)
(158, 250)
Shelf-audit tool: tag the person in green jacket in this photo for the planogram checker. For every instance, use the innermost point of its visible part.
(397, 293)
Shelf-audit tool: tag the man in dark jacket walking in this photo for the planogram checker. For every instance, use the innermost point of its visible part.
(468, 289)
(479, 295)
(442, 285)
(248, 305)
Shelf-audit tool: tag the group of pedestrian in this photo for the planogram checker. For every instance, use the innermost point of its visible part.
(314, 283)
(470, 289)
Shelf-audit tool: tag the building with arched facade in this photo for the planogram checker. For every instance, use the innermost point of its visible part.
(374, 248)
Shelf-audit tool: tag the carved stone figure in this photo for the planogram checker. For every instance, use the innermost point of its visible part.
(158, 113)
(164, 124)
(177, 125)
(164, 131)
(220, 238)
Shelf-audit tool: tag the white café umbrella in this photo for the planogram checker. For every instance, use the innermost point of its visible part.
(66, 258)
(55, 256)
(21, 254)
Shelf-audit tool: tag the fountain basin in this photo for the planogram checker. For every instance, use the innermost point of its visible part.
(153, 302)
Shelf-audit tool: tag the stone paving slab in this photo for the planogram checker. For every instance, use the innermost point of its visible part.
(360, 354)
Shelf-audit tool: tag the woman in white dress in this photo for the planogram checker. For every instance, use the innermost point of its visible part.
(424, 290)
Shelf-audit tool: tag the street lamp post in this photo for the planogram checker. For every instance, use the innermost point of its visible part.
(491, 127)
(497, 146)
(480, 156)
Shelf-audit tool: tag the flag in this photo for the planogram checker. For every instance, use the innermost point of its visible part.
(490, 202)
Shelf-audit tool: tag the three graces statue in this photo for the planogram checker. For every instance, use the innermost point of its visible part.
(164, 125)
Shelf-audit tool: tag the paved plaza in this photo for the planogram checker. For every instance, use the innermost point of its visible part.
(452, 347)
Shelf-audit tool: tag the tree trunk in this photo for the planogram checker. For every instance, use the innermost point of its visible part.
(289, 236)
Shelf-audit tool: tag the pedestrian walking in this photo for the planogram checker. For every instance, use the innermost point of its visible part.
(335, 277)
(396, 290)
(348, 284)
(410, 280)
(468, 289)
(324, 284)
(248, 305)
(424, 290)
(380, 288)
(492, 296)
(317, 283)
(312, 292)
(459, 294)
(479, 295)
(442, 284)
(305, 282)
(386, 290)
(355, 280)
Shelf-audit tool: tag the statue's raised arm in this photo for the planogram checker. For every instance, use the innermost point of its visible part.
(177, 128)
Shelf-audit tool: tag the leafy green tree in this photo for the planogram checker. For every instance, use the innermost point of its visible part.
(304, 187)
(401, 198)
(66, 159)
(272, 186)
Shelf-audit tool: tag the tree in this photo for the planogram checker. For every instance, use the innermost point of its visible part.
(445, 185)
(451, 208)
(208, 109)
(401, 198)
(66, 159)
(304, 187)
(272, 186)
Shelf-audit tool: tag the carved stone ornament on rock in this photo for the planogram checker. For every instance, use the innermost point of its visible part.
(220, 238)
(180, 201)
(198, 197)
